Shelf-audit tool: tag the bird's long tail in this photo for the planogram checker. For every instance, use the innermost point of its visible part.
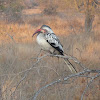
(70, 66)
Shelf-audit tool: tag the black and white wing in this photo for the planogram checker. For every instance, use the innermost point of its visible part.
(52, 39)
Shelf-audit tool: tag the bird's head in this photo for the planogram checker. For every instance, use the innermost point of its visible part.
(43, 29)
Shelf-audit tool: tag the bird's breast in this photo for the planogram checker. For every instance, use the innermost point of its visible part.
(42, 42)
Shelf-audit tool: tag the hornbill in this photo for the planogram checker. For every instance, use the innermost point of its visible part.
(48, 41)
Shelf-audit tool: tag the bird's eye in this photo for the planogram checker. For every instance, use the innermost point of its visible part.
(45, 31)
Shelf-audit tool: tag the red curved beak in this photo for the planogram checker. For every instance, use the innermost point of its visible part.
(39, 30)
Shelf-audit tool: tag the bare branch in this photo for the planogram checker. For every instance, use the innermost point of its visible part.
(92, 79)
(80, 74)
(65, 79)
(37, 93)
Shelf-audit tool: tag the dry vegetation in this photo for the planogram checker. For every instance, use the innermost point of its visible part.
(18, 49)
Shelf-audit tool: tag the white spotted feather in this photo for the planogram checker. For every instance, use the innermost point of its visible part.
(53, 40)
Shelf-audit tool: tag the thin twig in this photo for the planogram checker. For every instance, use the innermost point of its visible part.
(11, 37)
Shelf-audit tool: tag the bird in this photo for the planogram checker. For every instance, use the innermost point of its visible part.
(48, 41)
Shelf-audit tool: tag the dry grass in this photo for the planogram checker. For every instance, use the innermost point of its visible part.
(16, 57)
(20, 33)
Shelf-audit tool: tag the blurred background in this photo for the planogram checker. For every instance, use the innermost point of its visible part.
(75, 22)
